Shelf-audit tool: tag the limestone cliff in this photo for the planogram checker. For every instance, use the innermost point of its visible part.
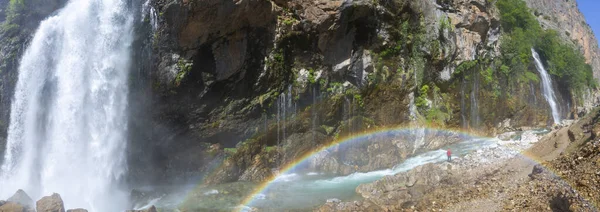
(252, 84)
(261, 75)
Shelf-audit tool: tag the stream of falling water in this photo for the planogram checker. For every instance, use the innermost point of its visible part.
(68, 122)
(547, 88)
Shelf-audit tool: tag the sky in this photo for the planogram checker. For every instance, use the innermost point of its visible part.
(591, 11)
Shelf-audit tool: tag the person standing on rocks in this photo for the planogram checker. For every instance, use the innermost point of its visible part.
(449, 154)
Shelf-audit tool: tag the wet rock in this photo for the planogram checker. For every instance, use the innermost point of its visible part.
(392, 192)
(150, 209)
(77, 210)
(51, 203)
(230, 54)
(21, 198)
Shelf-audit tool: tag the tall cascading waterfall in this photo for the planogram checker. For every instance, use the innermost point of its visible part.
(68, 118)
(547, 87)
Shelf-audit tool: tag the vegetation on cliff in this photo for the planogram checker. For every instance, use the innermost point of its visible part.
(523, 32)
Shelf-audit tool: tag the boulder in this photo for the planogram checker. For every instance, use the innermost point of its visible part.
(51, 203)
(392, 193)
(12, 207)
(77, 210)
(537, 169)
(150, 209)
(21, 198)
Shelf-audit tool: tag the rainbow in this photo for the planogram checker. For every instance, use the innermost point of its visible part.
(348, 139)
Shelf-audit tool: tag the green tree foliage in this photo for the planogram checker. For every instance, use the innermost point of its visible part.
(515, 14)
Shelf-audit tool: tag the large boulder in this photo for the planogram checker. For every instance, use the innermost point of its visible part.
(21, 198)
(12, 207)
(51, 203)
(393, 193)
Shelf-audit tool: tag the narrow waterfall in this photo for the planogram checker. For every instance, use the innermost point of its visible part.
(149, 12)
(314, 114)
(547, 88)
(463, 104)
(68, 122)
(474, 102)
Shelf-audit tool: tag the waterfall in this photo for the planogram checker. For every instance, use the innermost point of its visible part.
(547, 87)
(463, 105)
(412, 108)
(149, 11)
(68, 122)
(474, 105)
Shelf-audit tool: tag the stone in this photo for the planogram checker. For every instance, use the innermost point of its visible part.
(12, 207)
(21, 198)
(537, 169)
(51, 203)
(571, 135)
(230, 54)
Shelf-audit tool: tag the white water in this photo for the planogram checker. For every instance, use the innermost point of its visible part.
(68, 116)
(301, 191)
(547, 87)
(149, 11)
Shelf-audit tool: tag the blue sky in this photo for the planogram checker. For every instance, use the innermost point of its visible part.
(591, 11)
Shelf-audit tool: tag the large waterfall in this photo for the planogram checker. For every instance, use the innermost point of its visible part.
(547, 87)
(68, 116)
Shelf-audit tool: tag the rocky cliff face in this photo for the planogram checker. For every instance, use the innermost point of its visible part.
(265, 75)
(251, 84)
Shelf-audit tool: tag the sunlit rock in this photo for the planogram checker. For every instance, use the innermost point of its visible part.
(51, 203)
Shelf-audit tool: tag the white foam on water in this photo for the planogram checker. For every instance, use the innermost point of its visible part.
(211, 192)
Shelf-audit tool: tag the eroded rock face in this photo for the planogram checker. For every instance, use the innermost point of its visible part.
(244, 56)
(51, 203)
(466, 29)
